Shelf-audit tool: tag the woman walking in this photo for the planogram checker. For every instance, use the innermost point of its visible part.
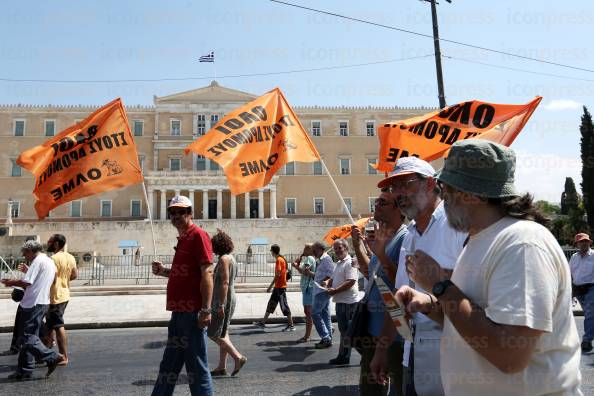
(223, 304)
(306, 265)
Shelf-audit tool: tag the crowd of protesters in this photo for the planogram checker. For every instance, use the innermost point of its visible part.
(485, 287)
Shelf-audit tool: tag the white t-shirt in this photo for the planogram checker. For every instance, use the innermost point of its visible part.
(40, 276)
(343, 271)
(324, 269)
(516, 271)
(582, 268)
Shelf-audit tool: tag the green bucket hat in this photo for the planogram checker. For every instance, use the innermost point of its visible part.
(480, 167)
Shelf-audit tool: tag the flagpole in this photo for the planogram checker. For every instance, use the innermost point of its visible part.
(150, 216)
(344, 205)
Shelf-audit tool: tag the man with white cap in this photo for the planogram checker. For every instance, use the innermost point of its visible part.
(508, 327)
(582, 275)
(189, 294)
(413, 185)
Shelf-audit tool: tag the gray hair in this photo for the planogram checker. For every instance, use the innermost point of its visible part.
(32, 246)
(343, 242)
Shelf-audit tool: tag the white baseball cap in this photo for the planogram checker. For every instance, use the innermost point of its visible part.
(407, 166)
(180, 201)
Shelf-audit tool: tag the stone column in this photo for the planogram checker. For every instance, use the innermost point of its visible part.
(163, 214)
(246, 206)
(233, 206)
(219, 203)
(273, 203)
(151, 201)
(260, 203)
(205, 204)
(191, 196)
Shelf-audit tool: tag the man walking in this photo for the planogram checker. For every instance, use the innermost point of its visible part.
(59, 294)
(37, 283)
(582, 275)
(189, 294)
(508, 326)
(279, 292)
(321, 299)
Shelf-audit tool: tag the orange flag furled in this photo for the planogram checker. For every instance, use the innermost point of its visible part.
(430, 136)
(252, 142)
(344, 231)
(97, 154)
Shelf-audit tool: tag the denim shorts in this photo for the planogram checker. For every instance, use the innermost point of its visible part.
(307, 296)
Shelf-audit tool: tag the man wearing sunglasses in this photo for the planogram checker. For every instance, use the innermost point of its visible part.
(189, 294)
(413, 185)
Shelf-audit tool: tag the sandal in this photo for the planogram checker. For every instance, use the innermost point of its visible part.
(218, 373)
(242, 361)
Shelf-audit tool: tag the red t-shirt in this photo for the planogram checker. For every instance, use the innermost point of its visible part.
(193, 250)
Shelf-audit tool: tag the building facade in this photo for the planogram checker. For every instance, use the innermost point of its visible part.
(346, 138)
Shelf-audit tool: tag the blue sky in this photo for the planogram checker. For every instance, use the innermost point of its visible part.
(112, 40)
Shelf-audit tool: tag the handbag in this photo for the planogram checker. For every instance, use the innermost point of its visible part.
(17, 294)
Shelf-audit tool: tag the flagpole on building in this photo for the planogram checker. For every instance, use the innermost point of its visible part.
(150, 216)
(344, 205)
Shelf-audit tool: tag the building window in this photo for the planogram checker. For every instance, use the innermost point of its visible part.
(370, 169)
(76, 208)
(141, 162)
(290, 168)
(343, 128)
(105, 208)
(174, 164)
(214, 118)
(138, 127)
(316, 128)
(291, 205)
(349, 205)
(175, 127)
(370, 128)
(135, 208)
(200, 163)
(201, 125)
(214, 166)
(15, 209)
(319, 205)
(15, 169)
(317, 168)
(19, 127)
(345, 166)
(50, 127)
(372, 204)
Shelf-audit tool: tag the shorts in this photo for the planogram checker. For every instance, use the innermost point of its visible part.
(54, 318)
(307, 296)
(278, 296)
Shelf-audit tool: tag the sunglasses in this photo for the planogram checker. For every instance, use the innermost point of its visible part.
(402, 185)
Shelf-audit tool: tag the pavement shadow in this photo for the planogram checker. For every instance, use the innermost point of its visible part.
(155, 345)
(342, 390)
(276, 343)
(182, 379)
(12, 381)
(7, 368)
(287, 350)
(308, 368)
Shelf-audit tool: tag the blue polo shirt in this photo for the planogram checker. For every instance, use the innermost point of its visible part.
(375, 304)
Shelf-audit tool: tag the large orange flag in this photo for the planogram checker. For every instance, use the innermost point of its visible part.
(430, 136)
(97, 154)
(252, 142)
(344, 231)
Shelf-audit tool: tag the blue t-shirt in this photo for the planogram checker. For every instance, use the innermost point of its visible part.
(375, 304)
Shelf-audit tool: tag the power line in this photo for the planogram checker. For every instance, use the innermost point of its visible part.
(220, 77)
(517, 69)
(431, 37)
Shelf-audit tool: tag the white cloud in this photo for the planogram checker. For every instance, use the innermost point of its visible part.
(562, 104)
(544, 175)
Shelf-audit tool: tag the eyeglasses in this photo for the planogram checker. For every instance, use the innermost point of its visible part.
(402, 185)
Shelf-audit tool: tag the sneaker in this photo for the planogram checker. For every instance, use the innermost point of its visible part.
(260, 324)
(339, 361)
(289, 328)
(323, 344)
(586, 346)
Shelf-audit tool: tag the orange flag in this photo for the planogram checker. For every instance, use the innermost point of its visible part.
(97, 154)
(344, 231)
(252, 142)
(430, 136)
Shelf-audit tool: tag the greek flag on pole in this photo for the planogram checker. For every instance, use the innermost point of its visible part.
(207, 58)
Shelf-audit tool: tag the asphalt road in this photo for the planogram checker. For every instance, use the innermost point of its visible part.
(125, 362)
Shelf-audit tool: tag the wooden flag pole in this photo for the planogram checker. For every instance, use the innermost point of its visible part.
(338, 192)
(150, 216)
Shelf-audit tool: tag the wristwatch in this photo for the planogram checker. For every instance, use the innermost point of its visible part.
(440, 287)
(207, 311)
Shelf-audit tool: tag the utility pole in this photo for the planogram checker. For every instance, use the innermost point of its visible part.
(440, 88)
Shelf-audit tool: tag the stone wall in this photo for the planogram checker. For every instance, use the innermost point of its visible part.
(104, 236)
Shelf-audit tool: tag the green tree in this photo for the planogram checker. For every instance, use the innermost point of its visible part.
(570, 198)
(587, 154)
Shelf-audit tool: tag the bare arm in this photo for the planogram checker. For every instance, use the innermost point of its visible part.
(74, 274)
(346, 285)
(360, 251)
(159, 270)
(17, 283)
(224, 286)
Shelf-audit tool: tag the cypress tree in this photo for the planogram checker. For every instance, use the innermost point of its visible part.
(587, 154)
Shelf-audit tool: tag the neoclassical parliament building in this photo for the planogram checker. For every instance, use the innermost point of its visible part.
(346, 137)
